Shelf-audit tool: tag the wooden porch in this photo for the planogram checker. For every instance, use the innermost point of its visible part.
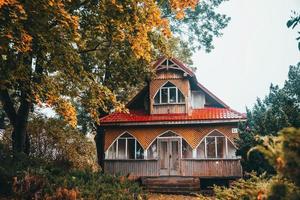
(203, 168)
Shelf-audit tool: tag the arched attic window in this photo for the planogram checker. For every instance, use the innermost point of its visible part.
(168, 94)
(125, 147)
(216, 145)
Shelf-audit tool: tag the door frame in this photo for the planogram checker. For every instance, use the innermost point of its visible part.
(168, 171)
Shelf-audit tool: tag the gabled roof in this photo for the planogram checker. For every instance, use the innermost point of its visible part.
(203, 114)
(190, 72)
(218, 112)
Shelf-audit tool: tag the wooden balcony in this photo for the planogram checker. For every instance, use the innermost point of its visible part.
(210, 168)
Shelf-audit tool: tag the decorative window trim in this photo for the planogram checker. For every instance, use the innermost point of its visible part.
(168, 88)
(126, 138)
(204, 140)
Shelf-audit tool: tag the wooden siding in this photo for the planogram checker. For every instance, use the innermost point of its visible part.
(189, 167)
(174, 74)
(211, 168)
(175, 108)
(133, 167)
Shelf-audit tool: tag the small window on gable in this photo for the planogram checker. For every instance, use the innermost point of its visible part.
(169, 94)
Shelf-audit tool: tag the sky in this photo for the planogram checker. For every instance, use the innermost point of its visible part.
(255, 50)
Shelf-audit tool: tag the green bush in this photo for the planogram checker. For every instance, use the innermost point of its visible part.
(259, 188)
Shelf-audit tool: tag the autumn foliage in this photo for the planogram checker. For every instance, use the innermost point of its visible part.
(45, 46)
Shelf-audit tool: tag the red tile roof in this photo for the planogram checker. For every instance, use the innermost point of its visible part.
(197, 114)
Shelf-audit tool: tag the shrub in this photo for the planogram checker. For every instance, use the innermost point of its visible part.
(61, 165)
(55, 141)
(259, 188)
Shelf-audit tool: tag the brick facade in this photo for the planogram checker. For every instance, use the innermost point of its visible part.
(146, 135)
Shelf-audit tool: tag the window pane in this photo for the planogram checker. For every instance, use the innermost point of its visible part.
(187, 151)
(164, 156)
(130, 148)
(111, 153)
(210, 146)
(157, 97)
(221, 147)
(231, 150)
(139, 151)
(174, 159)
(180, 97)
(152, 151)
(201, 150)
(164, 95)
(121, 149)
(172, 95)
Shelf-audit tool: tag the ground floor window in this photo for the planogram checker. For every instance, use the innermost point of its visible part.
(125, 147)
(187, 151)
(215, 145)
(152, 151)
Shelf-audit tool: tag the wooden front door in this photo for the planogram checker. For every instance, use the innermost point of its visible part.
(169, 156)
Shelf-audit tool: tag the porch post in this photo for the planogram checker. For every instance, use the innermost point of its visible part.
(226, 147)
(145, 154)
(194, 153)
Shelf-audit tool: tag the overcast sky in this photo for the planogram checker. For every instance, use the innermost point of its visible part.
(255, 51)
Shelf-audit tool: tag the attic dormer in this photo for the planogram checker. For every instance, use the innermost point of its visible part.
(169, 90)
(174, 90)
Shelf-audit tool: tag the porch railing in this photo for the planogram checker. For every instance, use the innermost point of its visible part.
(134, 167)
(211, 167)
(188, 167)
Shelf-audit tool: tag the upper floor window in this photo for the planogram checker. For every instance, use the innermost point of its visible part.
(168, 94)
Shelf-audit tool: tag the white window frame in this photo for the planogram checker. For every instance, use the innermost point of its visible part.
(216, 146)
(226, 153)
(168, 96)
(126, 151)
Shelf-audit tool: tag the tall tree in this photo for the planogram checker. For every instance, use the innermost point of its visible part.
(53, 53)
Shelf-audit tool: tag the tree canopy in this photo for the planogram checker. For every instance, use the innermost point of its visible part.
(88, 52)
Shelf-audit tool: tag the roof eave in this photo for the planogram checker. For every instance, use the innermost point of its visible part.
(170, 122)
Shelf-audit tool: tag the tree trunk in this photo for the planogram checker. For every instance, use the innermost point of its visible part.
(99, 139)
(19, 120)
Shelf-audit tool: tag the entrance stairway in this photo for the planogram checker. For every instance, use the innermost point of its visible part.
(171, 184)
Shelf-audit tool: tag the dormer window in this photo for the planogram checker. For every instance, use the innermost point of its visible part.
(169, 94)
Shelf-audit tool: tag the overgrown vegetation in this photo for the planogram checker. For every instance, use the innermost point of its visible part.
(61, 165)
(279, 109)
(283, 154)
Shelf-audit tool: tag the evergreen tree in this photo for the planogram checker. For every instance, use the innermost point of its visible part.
(279, 109)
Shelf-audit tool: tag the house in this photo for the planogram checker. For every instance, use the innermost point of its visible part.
(174, 127)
